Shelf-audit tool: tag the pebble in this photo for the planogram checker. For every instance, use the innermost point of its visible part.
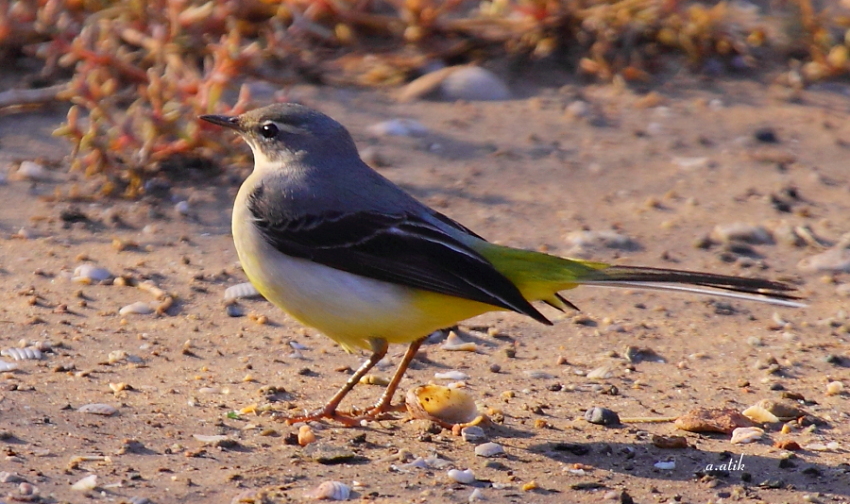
(766, 135)
(602, 416)
(834, 260)
(240, 291)
(306, 435)
(636, 355)
(215, 440)
(399, 127)
(20, 354)
(488, 450)
(834, 388)
(85, 484)
(10, 477)
(32, 171)
(137, 308)
(183, 208)
(473, 434)
(234, 310)
(329, 490)
(577, 109)
(741, 233)
(89, 274)
(743, 435)
(325, 453)
(590, 240)
(98, 409)
(712, 420)
(473, 83)
(538, 375)
(140, 500)
(465, 477)
(452, 375)
(690, 163)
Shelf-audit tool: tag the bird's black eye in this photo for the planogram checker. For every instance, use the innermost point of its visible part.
(268, 130)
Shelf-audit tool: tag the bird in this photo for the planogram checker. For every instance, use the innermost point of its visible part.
(342, 249)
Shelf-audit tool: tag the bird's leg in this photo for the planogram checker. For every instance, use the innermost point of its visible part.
(383, 404)
(379, 350)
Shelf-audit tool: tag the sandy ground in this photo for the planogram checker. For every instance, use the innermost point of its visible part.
(521, 172)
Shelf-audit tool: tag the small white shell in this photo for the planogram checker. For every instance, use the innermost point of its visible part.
(474, 83)
(743, 435)
(466, 477)
(455, 343)
(85, 484)
(488, 450)
(451, 375)
(98, 409)
(137, 308)
(7, 366)
(19, 354)
(87, 274)
(666, 465)
(329, 490)
(399, 127)
(239, 291)
(32, 171)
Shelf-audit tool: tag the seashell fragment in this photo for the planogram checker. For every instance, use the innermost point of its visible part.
(743, 435)
(759, 414)
(488, 450)
(215, 440)
(600, 373)
(465, 477)
(667, 465)
(137, 308)
(444, 405)
(85, 484)
(473, 434)
(455, 343)
(98, 409)
(7, 366)
(452, 375)
(19, 354)
(329, 490)
(89, 274)
(240, 291)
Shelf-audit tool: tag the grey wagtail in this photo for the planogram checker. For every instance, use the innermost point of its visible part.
(342, 249)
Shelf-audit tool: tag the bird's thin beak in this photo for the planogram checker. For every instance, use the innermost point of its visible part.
(231, 122)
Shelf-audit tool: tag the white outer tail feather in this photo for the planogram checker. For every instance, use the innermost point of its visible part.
(695, 290)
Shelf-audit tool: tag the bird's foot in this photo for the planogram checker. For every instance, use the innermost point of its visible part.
(353, 419)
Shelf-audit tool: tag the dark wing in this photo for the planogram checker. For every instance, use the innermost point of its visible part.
(401, 249)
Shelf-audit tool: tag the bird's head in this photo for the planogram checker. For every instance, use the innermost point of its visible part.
(286, 131)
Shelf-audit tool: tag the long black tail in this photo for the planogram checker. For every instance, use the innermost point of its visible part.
(756, 289)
